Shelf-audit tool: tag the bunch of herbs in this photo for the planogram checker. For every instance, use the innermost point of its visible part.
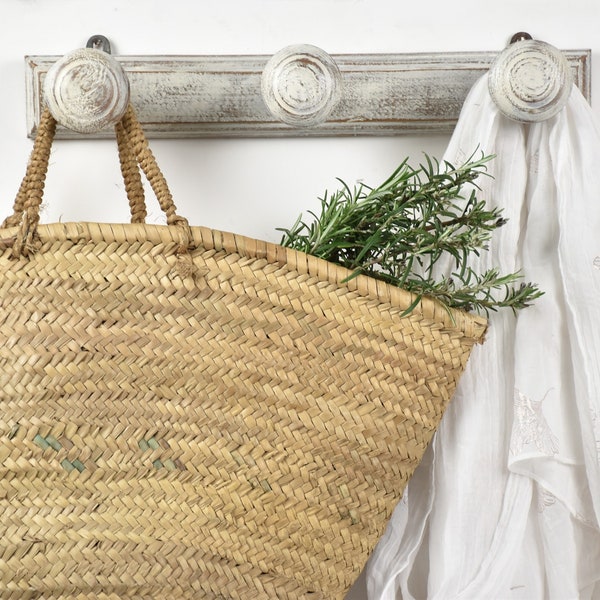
(414, 221)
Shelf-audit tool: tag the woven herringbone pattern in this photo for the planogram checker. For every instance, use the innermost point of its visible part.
(240, 429)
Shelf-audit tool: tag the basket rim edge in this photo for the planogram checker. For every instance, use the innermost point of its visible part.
(469, 325)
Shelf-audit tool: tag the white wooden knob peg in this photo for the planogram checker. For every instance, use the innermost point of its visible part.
(530, 81)
(301, 85)
(87, 90)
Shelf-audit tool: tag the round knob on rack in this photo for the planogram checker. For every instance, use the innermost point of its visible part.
(87, 90)
(530, 81)
(301, 85)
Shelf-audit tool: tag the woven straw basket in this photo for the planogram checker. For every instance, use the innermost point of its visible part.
(187, 413)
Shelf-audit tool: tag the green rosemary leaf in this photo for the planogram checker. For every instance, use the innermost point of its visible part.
(412, 306)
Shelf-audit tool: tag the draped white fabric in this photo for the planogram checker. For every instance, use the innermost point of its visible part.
(506, 503)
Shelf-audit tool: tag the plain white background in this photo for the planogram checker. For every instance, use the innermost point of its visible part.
(250, 186)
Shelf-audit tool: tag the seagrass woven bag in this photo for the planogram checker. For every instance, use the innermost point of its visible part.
(188, 413)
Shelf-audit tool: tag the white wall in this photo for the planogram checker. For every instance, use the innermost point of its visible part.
(249, 186)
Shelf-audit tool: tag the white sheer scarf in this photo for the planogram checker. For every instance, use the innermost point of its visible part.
(506, 503)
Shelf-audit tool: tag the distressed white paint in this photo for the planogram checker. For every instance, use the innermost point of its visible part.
(86, 90)
(221, 96)
(530, 81)
(301, 85)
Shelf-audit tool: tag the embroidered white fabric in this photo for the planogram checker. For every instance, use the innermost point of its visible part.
(506, 503)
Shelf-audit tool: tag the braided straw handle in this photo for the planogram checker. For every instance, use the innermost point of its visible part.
(131, 176)
(134, 154)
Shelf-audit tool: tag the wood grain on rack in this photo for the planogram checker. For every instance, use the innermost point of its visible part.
(220, 96)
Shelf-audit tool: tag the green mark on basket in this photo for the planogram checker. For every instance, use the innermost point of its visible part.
(51, 442)
(47, 442)
(69, 466)
(41, 442)
(78, 465)
(153, 444)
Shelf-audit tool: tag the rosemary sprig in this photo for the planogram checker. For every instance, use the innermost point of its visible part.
(399, 231)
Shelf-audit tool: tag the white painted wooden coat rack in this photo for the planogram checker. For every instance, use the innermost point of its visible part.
(299, 91)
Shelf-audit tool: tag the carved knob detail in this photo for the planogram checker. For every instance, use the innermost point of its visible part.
(301, 85)
(87, 90)
(530, 81)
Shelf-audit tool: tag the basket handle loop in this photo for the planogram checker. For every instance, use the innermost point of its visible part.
(131, 175)
(134, 155)
(26, 208)
(147, 162)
